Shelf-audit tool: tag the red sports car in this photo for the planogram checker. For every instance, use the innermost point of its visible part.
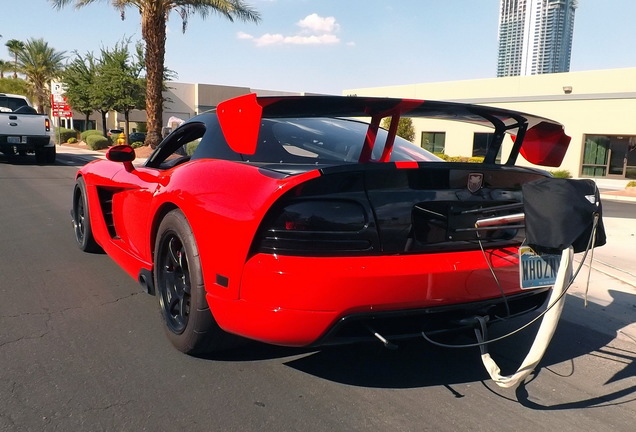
(289, 221)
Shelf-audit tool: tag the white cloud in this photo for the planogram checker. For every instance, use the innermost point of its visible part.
(314, 23)
(243, 35)
(315, 30)
(279, 39)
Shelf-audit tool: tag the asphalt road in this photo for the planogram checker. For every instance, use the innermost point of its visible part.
(81, 349)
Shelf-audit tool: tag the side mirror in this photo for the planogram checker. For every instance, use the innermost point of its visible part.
(122, 153)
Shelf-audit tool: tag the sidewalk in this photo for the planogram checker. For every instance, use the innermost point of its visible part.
(86, 154)
(612, 281)
(616, 190)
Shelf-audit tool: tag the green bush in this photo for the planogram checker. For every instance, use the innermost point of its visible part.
(631, 183)
(89, 132)
(192, 146)
(97, 142)
(62, 135)
(561, 174)
(71, 140)
(471, 159)
(137, 144)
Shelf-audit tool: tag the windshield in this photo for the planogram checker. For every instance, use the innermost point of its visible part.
(325, 140)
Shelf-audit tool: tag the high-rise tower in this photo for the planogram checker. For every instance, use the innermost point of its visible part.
(535, 36)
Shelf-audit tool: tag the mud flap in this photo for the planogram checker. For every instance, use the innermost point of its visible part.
(545, 333)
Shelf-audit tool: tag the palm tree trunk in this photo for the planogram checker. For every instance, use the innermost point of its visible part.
(153, 30)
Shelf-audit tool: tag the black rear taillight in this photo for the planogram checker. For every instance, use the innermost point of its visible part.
(47, 125)
(317, 227)
(321, 216)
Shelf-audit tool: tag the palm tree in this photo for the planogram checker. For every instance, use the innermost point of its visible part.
(5, 66)
(154, 16)
(40, 63)
(15, 46)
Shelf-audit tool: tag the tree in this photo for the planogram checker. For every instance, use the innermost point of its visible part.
(40, 63)
(15, 46)
(14, 86)
(113, 81)
(120, 78)
(80, 76)
(154, 15)
(405, 127)
(5, 66)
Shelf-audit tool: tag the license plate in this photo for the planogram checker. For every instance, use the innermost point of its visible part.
(13, 140)
(537, 270)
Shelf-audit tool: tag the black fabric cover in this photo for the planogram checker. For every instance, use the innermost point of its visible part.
(559, 214)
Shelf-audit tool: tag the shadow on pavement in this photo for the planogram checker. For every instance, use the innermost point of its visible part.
(62, 159)
(417, 363)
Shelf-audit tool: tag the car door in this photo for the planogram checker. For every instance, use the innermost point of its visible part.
(132, 210)
(136, 203)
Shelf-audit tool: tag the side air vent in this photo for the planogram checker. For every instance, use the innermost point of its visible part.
(106, 203)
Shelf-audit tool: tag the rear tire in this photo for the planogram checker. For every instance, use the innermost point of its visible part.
(39, 156)
(178, 280)
(50, 154)
(81, 219)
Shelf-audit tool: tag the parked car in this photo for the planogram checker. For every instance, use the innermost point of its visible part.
(23, 130)
(292, 223)
(136, 137)
(114, 132)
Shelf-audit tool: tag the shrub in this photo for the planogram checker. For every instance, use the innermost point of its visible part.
(97, 142)
(89, 132)
(192, 146)
(62, 135)
(631, 183)
(561, 174)
(71, 140)
(137, 144)
(442, 156)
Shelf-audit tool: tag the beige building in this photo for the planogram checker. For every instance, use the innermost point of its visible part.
(597, 108)
(182, 101)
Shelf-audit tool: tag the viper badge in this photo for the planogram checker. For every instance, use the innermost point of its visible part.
(475, 182)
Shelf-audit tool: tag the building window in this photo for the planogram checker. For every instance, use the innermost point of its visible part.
(609, 155)
(481, 144)
(435, 142)
(595, 153)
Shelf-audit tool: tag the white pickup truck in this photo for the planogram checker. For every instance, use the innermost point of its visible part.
(23, 130)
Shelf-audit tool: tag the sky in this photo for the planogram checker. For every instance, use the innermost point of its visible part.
(326, 46)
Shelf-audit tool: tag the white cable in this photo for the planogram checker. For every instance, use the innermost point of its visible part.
(545, 333)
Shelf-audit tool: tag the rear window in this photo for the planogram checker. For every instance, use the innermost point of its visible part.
(326, 140)
(11, 103)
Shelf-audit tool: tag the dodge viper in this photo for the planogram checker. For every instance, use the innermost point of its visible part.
(300, 221)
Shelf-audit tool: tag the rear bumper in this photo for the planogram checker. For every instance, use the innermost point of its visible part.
(300, 301)
(25, 143)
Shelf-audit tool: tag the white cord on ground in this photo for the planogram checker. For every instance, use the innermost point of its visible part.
(545, 333)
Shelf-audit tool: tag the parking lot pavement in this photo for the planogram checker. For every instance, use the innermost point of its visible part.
(86, 154)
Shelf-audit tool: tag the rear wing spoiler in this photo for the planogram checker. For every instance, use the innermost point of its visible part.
(539, 140)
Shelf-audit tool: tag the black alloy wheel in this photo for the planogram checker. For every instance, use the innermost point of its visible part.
(178, 280)
(174, 276)
(81, 219)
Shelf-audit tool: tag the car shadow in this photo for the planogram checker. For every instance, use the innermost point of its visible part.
(417, 363)
(64, 159)
(18, 160)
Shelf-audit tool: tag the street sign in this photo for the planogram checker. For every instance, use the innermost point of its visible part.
(59, 106)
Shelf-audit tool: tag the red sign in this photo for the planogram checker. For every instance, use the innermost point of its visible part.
(59, 106)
